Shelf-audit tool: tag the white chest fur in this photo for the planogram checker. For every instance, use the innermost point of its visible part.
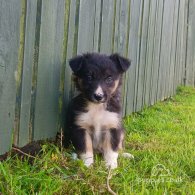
(98, 118)
(98, 121)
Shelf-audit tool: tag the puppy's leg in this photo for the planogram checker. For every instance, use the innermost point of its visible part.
(83, 145)
(87, 155)
(112, 143)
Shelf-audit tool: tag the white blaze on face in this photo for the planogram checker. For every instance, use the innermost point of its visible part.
(99, 91)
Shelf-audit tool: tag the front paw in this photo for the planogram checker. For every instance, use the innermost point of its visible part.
(87, 159)
(111, 159)
(88, 162)
(112, 164)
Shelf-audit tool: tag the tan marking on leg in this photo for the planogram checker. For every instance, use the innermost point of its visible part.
(88, 140)
(121, 142)
(87, 157)
(110, 156)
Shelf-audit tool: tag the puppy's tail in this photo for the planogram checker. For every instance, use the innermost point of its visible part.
(127, 155)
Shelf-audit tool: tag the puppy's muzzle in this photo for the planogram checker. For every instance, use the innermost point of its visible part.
(98, 97)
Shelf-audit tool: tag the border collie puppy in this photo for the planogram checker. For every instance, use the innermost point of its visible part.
(94, 117)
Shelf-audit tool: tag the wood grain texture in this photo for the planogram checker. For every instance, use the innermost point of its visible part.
(142, 55)
(10, 14)
(149, 53)
(86, 26)
(181, 49)
(173, 65)
(19, 73)
(157, 51)
(178, 55)
(24, 133)
(124, 26)
(107, 27)
(49, 62)
(70, 52)
(133, 54)
(116, 23)
(97, 25)
(121, 27)
(190, 63)
(179, 76)
(185, 41)
(165, 49)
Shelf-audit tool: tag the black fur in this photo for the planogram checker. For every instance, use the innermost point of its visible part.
(115, 138)
(92, 70)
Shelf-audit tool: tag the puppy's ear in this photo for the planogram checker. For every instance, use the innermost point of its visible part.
(121, 62)
(76, 63)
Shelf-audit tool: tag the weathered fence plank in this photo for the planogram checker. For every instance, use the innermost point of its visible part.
(165, 48)
(184, 54)
(73, 6)
(121, 26)
(190, 70)
(24, 133)
(19, 73)
(97, 24)
(173, 54)
(116, 23)
(150, 53)
(49, 63)
(123, 40)
(107, 28)
(10, 14)
(182, 28)
(133, 54)
(157, 51)
(86, 26)
(178, 54)
(142, 55)
(181, 46)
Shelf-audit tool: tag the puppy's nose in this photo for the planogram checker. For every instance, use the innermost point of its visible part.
(98, 96)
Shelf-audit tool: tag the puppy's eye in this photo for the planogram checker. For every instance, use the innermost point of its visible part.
(109, 80)
(89, 77)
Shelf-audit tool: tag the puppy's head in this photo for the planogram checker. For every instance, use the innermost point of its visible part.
(97, 76)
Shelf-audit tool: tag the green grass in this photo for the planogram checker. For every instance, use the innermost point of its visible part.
(162, 139)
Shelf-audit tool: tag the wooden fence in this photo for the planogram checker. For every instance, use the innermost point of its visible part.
(37, 37)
